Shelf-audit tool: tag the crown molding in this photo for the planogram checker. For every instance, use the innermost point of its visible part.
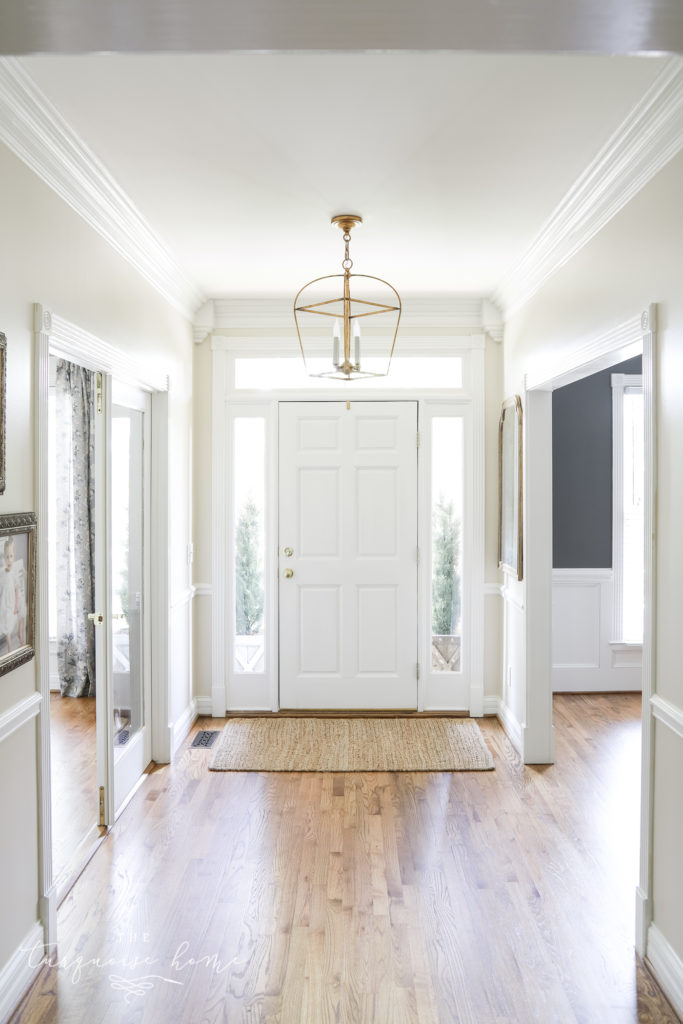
(650, 136)
(459, 314)
(73, 342)
(34, 130)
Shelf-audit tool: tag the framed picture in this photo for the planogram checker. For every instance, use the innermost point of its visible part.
(3, 401)
(510, 487)
(17, 589)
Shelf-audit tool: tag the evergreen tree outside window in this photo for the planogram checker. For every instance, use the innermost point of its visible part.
(446, 569)
(248, 617)
(248, 572)
(446, 552)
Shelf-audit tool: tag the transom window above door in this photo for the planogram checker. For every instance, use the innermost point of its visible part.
(254, 373)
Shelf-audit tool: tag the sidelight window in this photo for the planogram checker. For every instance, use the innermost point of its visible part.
(446, 534)
(249, 543)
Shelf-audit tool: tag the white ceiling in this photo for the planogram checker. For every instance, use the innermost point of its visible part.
(238, 161)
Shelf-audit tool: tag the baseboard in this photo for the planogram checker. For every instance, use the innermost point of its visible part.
(512, 727)
(204, 707)
(47, 906)
(218, 701)
(667, 967)
(532, 754)
(642, 920)
(19, 972)
(182, 726)
(492, 705)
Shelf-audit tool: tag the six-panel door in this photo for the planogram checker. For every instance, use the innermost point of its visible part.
(348, 590)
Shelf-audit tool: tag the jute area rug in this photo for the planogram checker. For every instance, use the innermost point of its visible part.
(351, 745)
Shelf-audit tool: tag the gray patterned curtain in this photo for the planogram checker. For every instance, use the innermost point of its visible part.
(75, 500)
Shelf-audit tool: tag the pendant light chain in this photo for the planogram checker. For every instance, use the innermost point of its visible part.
(347, 262)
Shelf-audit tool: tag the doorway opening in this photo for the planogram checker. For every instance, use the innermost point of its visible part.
(300, 492)
(637, 336)
(98, 461)
(598, 531)
(74, 460)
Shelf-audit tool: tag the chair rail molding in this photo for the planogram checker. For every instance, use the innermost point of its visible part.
(34, 130)
(667, 713)
(19, 714)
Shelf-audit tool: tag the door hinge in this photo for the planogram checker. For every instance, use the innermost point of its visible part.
(417, 439)
(99, 392)
(417, 670)
(101, 805)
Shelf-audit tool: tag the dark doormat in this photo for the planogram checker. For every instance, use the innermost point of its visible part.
(205, 738)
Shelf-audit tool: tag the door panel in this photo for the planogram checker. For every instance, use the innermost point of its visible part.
(348, 508)
(131, 734)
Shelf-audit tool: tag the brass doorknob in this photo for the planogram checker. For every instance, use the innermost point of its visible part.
(288, 574)
(289, 552)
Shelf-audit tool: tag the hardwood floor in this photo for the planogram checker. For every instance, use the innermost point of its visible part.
(73, 757)
(486, 898)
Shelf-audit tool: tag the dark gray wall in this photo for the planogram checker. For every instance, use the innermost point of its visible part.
(582, 470)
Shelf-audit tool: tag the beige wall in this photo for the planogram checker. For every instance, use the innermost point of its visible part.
(49, 255)
(635, 260)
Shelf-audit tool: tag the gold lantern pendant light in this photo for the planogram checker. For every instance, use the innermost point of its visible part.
(338, 355)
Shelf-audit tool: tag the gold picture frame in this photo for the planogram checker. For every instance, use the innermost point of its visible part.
(510, 521)
(17, 589)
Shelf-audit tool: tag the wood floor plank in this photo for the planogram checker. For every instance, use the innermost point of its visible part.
(381, 898)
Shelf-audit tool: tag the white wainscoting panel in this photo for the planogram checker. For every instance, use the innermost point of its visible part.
(584, 659)
(20, 971)
(511, 711)
(181, 665)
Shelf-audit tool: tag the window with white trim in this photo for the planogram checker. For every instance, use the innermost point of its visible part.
(628, 507)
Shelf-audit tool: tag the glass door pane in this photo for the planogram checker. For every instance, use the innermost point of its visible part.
(447, 520)
(127, 572)
(130, 654)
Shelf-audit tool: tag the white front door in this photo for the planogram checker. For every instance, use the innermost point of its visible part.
(348, 554)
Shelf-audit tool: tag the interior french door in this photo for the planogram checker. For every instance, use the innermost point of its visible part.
(348, 554)
(130, 663)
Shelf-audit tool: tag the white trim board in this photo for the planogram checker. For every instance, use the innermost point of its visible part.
(667, 713)
(19, 972)
(512, 728)
(34, 130)
(182, 726)
(19, 714)
(649, 136)
(72, 342)
(667, 967)
(619, 382)
(457, 314)
(612, 346)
